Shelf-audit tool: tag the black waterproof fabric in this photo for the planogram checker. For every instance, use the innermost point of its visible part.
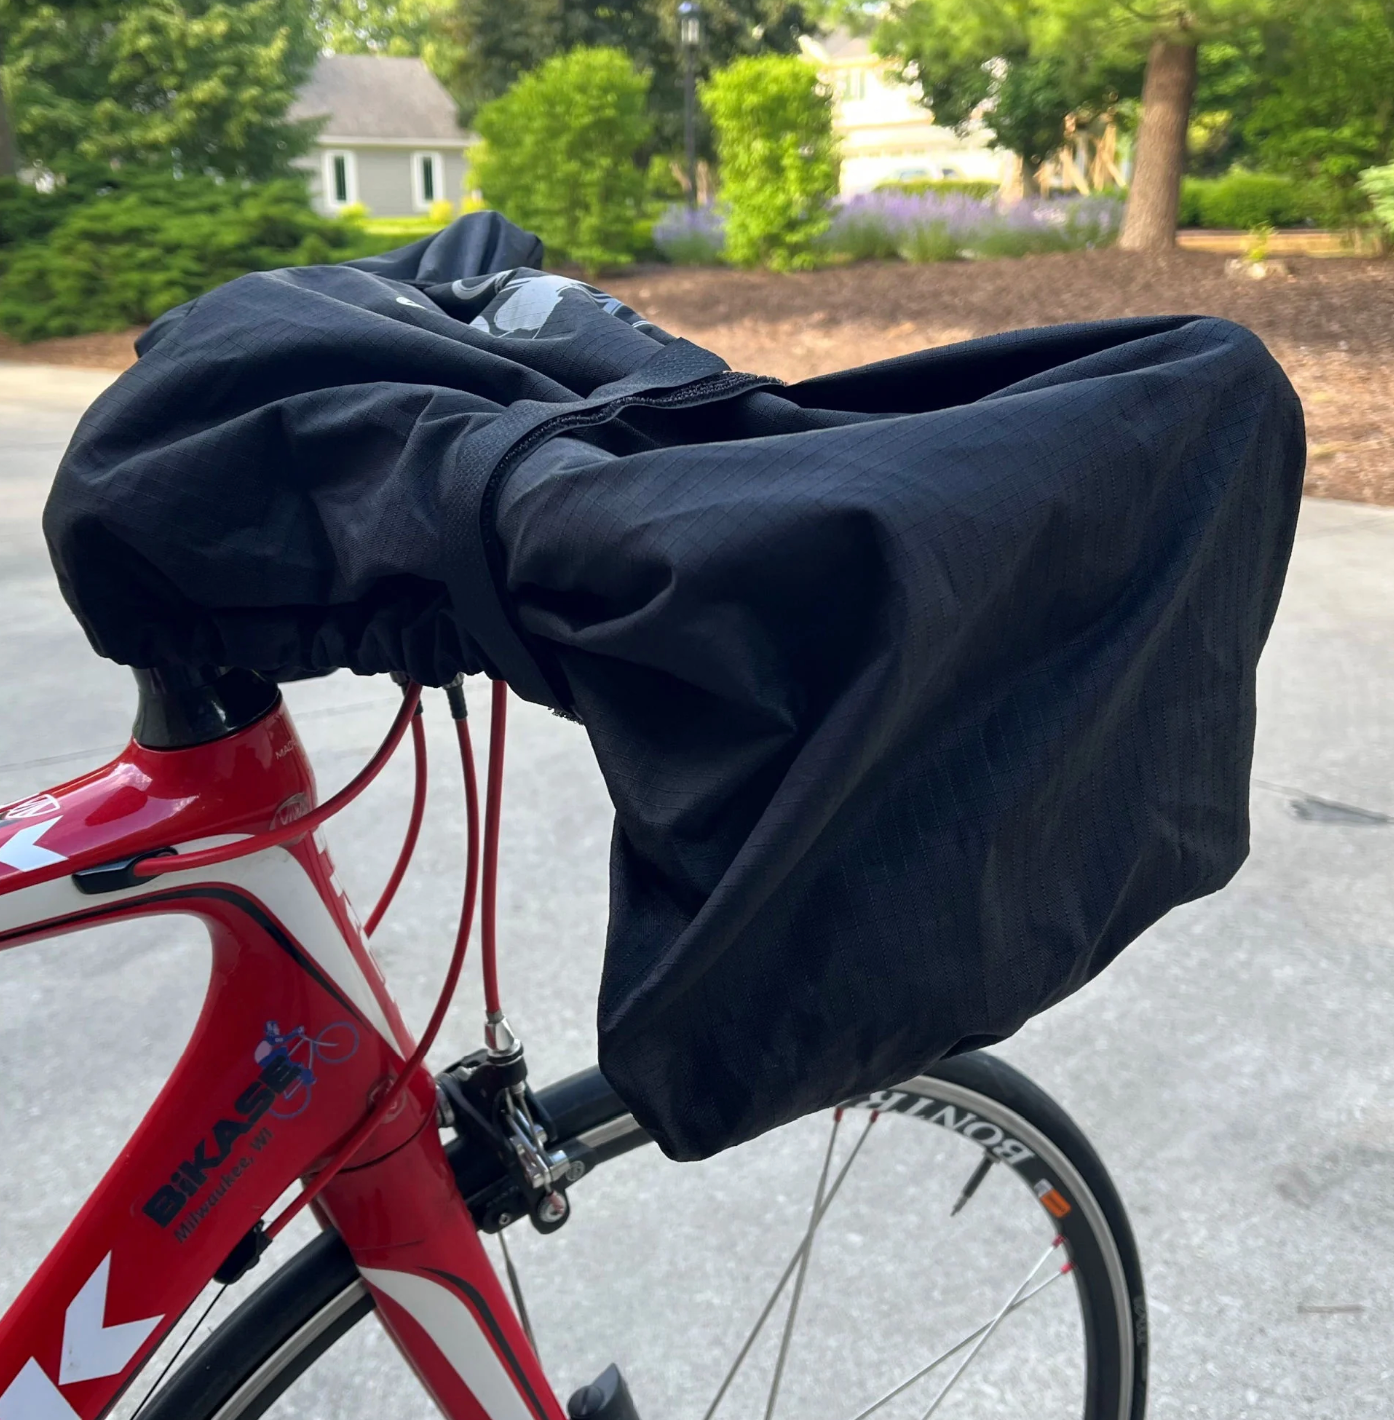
(920, 690)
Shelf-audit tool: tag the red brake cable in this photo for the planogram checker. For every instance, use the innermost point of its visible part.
(360, 1133)
(257, 842)
(493, 802)
(418, 809)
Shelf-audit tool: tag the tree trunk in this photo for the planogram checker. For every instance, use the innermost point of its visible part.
(9, 157)
(1149, 224)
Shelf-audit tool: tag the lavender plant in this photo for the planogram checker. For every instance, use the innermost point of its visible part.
(690, 236)
(917, 227)
(940, 227)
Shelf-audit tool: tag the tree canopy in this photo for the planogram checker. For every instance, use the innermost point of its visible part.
(986, 58)
(193, 85)
(400, 27)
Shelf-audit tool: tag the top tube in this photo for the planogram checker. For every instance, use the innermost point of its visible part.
(214, 757)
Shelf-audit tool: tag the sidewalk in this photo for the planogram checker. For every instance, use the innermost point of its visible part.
(53, 386)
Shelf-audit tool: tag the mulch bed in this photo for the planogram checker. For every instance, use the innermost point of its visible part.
(1330, 321)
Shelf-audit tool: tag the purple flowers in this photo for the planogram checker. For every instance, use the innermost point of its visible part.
(939, 227)
(690, 236)
(884, 226)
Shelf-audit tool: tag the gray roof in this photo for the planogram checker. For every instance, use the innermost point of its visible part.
(378, 96)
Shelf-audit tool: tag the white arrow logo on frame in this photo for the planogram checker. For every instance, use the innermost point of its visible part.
(32, 1396)
(21, 850)
(91, 1348)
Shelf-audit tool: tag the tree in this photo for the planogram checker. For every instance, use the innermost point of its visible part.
(1030, 104)
(495, 41)
(774, 141)
(559, 155)
(1092, 44)
(1170, 33)
(400, 27)
(199, 86)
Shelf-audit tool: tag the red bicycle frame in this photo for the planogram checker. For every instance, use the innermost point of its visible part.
(297, 1037)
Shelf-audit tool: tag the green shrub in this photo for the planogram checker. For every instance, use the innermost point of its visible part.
(773, 126)
(559, 156)
(1242, 200)
(979, 190)
(126, 254)
(1378, 185)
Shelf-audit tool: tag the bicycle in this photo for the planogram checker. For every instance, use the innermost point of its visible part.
(211, 811)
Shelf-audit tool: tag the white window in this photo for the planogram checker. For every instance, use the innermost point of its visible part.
(340, 178)
(427, 179)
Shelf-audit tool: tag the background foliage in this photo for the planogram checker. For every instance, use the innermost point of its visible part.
(493, 42)
(1323, 106)
(560, 156)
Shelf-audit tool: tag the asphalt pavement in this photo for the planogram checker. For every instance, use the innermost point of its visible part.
(1235, 1068)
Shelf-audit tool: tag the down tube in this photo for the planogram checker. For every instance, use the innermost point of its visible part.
(278, 1068)
(436, 1291)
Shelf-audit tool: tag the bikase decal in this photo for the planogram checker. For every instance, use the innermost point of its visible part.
(281, 1087)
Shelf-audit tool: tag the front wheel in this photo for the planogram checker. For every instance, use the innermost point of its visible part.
(952, 1247)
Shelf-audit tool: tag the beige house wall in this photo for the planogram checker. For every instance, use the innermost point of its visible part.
(886, 134)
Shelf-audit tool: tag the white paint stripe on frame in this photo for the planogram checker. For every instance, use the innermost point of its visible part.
(452, 1326)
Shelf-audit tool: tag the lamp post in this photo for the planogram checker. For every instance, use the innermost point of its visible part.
(690, 36)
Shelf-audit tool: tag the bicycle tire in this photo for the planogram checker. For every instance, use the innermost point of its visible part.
(316, 1298)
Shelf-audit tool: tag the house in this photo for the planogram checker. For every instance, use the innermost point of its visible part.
(887, 135)
(391, 138)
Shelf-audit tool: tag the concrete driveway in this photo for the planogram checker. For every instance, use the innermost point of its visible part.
(1235, 1068)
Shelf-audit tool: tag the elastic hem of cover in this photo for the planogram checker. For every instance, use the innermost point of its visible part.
(680, 374)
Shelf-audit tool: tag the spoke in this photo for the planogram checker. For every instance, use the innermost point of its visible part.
(788, 1272)
(990, 1328)
(956, 1348)
(974, 1182)
(805, 1252)
(169, 1365)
